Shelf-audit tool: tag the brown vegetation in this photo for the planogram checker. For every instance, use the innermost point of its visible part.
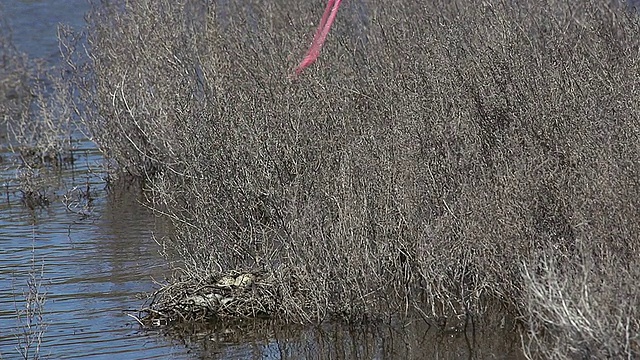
(30, 313)
(437, 158)
(35, 111)
(14, 82)
(35, 122)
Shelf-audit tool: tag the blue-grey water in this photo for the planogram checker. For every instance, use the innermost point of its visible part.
(93, 258)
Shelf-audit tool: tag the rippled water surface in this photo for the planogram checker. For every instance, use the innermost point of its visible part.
(93, 259)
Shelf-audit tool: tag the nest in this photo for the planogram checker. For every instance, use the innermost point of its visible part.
(232, 295)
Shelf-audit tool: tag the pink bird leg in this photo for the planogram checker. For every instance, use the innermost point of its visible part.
(320, 36)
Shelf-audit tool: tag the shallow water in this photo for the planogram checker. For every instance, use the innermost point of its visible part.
(97, 256)
(94, 260)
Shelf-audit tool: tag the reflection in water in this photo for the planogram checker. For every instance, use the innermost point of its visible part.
(404, 340)
(94, 268)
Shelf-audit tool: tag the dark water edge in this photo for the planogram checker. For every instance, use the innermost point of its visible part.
(397, 339)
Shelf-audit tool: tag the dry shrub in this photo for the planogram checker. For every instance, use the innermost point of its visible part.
(36, 119)
(429, 160)
(587, 311)
(30, 314)
(14, 81)
(35, 107)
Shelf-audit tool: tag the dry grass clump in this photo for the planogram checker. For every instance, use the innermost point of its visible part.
(30, 313)
(42, 135)
(589, 311)
(34, 108)
(232, 296)
(14, 81)
(35, 120)
(438, 157)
